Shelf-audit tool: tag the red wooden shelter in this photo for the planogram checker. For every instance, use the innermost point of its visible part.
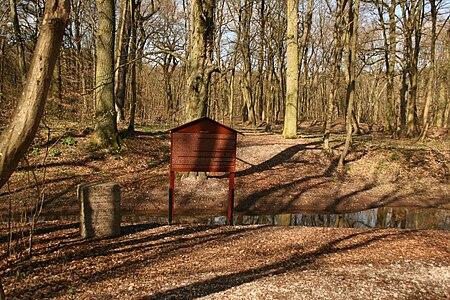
(203, 145)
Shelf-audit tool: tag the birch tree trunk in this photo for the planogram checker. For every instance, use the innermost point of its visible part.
(290, 116)
(21, 129)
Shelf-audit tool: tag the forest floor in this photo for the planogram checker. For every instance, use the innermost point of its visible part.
(273, 176)
(186, 261)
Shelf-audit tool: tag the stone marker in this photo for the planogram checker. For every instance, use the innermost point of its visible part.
(100, 213)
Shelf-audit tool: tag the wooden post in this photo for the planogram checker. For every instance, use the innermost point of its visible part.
(231, 199)
(171, 194)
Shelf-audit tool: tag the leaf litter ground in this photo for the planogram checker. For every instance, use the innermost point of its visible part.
(156, 261)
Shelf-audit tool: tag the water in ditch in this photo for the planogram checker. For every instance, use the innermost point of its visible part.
(383, 217)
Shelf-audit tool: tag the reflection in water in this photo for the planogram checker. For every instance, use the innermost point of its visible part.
(383, 217)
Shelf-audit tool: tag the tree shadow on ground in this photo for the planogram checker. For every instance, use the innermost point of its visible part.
(159, 245)
(278, 159)
(39, 231)
(248, 203)
(295, 262)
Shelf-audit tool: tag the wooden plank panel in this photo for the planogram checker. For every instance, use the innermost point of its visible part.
(196, 142)
(213, 168)
(201, 160)
(204, 125)
(203, 152)
(216, 154)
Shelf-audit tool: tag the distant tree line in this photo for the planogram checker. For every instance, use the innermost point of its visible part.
(380, 62)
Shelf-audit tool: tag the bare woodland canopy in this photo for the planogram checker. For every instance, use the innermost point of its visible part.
(401, 61)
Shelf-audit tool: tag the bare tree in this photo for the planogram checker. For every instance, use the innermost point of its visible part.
(432, 74)
(353, 14)
(412, 13)
(390, 42)
(245, 15)
(334, 72)
(121, 54)
(21, 129)
(200, 65)
(290, 116)
(132, 56)
(19, 40)
(105, 132)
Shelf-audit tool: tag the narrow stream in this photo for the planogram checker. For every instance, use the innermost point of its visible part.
(383, 217)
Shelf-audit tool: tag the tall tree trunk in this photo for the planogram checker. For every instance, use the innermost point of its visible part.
(21, 129)
(57, 81)
(444, 88)
(413, 20)
(261, 59)
(105, 131)
(167, 76)
(233, 77)
(76, 16)
(303, 57)
(390, 93)
(133, 49)
(290, 116)
(120, 69)
(334, 72)
(351, 76)
(19, 41)
(390, 42)
(269, 88)
(432, 74)
(200, 66)
(404, 94)
(2, 66)
(245, 16)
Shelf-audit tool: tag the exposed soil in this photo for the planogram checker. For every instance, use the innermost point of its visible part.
(157, 261)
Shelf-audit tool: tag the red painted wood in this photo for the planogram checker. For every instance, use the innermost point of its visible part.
(231, 199)
(203, 152)
(204, 125)
(171, 196)
(203, 145)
